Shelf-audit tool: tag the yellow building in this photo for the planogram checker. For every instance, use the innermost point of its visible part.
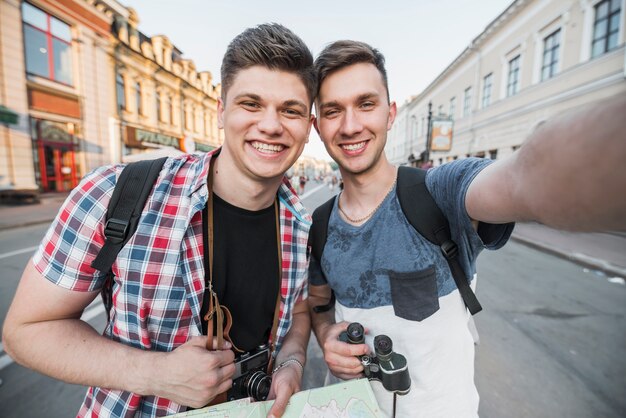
(163, 106)
(54, 58)
(81, 86)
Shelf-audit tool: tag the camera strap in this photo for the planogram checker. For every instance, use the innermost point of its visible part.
(218, 316)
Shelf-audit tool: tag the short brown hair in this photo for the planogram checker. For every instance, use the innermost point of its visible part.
(341, 54)
(273, 46)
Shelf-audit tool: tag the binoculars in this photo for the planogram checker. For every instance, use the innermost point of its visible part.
(386, 366)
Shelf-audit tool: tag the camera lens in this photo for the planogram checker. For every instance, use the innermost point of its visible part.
(258, 385)
(355, 333)
(383, 346)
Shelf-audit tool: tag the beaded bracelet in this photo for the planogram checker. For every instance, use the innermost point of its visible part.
(287, 362)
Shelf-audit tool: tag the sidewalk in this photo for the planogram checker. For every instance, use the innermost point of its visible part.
(600, 251)
(16, 216)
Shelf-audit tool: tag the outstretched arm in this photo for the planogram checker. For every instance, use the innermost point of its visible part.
(569, 174)
(43, 331)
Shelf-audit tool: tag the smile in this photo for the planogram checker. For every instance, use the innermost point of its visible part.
(267, 148)
(353, 147)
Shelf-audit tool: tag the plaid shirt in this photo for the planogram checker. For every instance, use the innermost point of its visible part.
(159, 274)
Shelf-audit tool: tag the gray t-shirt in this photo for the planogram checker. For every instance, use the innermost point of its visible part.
(395, 282)
(363, 262)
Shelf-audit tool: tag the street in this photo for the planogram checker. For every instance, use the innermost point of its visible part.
(551, 336)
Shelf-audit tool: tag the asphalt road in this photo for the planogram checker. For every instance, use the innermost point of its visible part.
(551, 337)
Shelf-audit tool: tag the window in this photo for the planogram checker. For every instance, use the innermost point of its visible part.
(512, 86)
(605, 27)
(119, 89)
(138, 97)
(467, 102)
(487, 84)
(157, 104)
(440, 110)
(185, 116)
(550, 63)
(170, 109)
(47, 45)
(452, 107)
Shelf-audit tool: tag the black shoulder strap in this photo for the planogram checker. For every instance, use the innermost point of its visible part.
(127, 202)
(424, 215)
(317, 241)
(319, 228)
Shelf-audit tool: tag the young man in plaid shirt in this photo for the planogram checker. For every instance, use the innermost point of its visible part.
(152, 359)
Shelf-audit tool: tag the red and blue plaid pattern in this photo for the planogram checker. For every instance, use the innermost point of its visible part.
(159, 274)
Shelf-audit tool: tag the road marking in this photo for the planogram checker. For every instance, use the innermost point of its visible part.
(93, 310)
(16, 252)
(310, 192)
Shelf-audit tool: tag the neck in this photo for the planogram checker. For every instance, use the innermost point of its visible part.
(233, 186)
(365, 191)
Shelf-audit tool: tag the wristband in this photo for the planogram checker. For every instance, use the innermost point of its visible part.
(287, 362)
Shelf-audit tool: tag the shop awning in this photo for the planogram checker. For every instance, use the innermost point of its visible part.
(7, 116)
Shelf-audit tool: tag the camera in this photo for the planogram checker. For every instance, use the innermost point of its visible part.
(386, 366)
(250, 378)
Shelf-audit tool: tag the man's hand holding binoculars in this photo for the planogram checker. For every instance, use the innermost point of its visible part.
(341, 357)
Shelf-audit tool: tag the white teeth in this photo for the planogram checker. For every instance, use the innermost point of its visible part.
(353, 147)
(260, 146)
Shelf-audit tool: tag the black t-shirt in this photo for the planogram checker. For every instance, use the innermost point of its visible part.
(245, 270)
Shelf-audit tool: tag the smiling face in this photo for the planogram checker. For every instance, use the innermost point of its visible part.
(354, 116)
(266, 120)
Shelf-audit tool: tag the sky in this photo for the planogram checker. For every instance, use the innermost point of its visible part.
(419, 38)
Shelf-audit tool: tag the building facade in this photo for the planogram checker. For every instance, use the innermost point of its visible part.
(163, 105)
(534, 61)
(54, 56)
(89, 89)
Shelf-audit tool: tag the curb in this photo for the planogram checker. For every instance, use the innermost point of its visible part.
(25, 224)
(578, 258)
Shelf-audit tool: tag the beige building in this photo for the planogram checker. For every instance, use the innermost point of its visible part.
(163, 106)
(535, 60)
(80, 87)
(54, 60)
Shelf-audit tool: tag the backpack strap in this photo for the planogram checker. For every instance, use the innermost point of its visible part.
(424, 215)
(319, 228)
(127, 202)
(317, 240)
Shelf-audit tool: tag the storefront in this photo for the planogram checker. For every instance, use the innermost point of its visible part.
(144, 144)
(54, 151)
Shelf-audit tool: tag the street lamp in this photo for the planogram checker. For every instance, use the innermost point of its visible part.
(429, 133)
(412, 134)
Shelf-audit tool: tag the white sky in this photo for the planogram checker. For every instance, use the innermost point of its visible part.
(419, 38)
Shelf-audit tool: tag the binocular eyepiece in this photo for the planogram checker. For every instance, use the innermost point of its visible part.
(386, 366)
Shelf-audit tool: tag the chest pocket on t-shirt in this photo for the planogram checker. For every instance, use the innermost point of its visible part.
(414, 294)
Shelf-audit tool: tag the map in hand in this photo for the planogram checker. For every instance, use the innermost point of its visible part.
(351, 399)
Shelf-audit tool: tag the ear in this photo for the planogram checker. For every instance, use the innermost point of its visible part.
(317, 128)
(312, 120)
(392, 114)
(220, 113)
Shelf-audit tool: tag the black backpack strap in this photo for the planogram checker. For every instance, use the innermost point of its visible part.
(424, 215)
(319, 228)
(127, 202)
(317, 241)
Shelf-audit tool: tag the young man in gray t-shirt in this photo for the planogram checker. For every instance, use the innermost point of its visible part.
(389, 278)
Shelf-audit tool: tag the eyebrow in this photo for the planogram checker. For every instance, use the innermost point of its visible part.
(296, 103)
(360, 98)
(286, 103)
(247, 95)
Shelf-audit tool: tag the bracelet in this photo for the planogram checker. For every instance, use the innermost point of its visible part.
(287, 362)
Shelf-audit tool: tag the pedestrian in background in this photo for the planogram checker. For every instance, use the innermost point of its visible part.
(393, 281)
(155, 358)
